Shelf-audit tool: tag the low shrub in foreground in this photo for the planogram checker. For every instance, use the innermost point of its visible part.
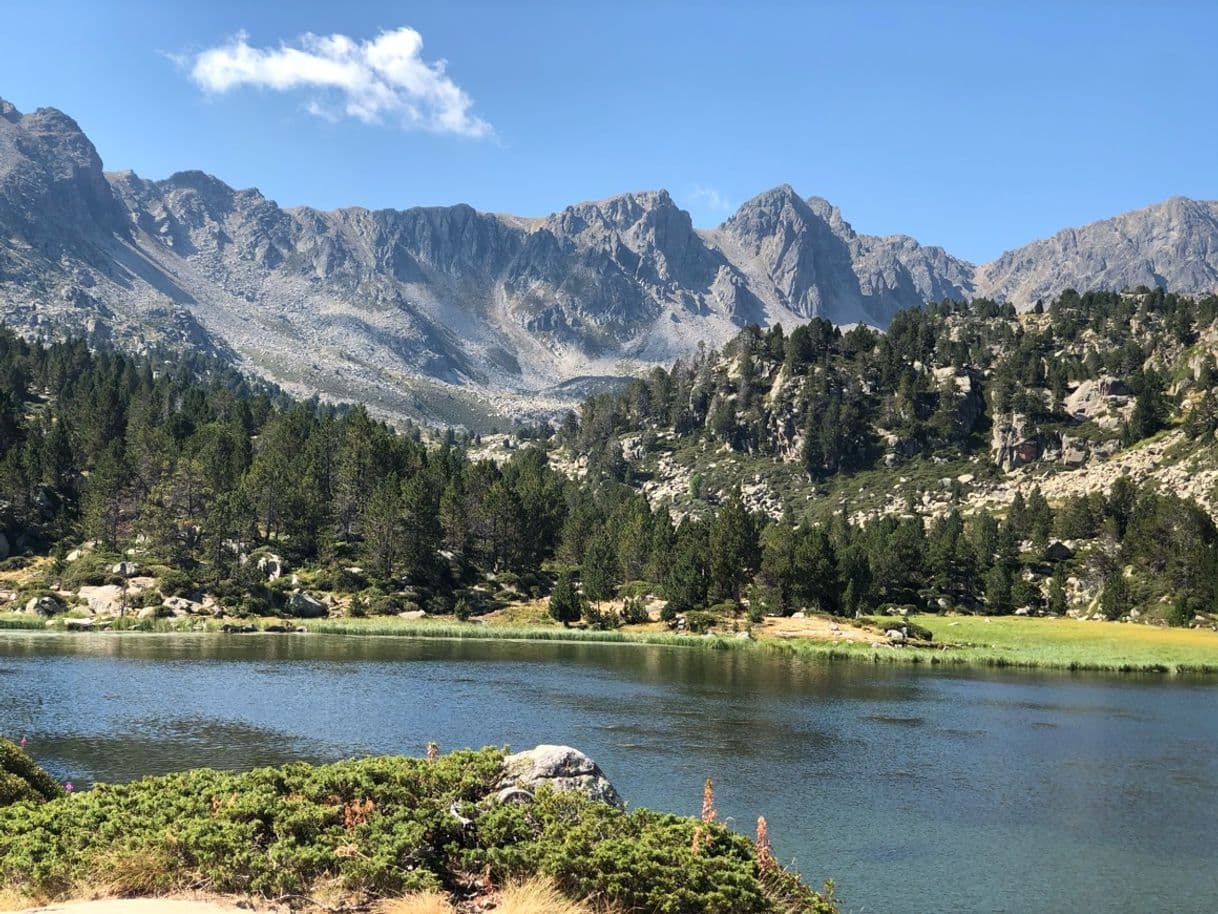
(378, 827)
(21, 779)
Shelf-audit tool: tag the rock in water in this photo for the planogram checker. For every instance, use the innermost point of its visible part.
(563, 769)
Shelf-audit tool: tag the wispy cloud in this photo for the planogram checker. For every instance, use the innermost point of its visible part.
(710, 198)
(384, 80)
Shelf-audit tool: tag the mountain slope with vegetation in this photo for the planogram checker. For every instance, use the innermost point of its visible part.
(854, 474)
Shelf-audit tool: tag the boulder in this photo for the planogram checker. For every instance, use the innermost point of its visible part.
(305, 606)
(272, 566)
(106, 599)
(1074, 450)
(896, 636)
(126, 569)
(182, 606)
(44, 606)
(1014, 441)
(561, 768)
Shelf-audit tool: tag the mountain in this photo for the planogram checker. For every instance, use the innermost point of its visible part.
(802, 255)
(1173, 244)
(452, 315)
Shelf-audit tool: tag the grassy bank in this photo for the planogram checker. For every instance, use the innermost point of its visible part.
(21, 621)
(1076, 644)
(1011, 641)
(350, 835)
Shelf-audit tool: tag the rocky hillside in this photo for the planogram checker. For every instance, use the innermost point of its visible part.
(1173, 245)
(956, 405)
(452, 315)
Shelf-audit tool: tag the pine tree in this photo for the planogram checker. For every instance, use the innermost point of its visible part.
(998, 590)
(1057, 591)
(1114, 600)
(600, 569)
(734, 550)
(380, 524)
(566, 604)
(103, 501)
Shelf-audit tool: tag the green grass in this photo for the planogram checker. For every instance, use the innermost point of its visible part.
(474, 632)
(1073, 644)
(1016, 642)
(21, 621)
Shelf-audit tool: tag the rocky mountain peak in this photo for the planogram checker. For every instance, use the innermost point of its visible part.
(9, 112)
(367, 304)
(1173, 244)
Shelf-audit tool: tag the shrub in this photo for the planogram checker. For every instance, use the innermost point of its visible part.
(637, 589)
(634, 612)
(176, 583)
(21, 778)
(379, 827)
(700, 621)
(1178, 614)
(439, 605)
(601, 620)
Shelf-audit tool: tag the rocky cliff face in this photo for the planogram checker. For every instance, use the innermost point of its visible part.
(449, 314)
(1172, 244)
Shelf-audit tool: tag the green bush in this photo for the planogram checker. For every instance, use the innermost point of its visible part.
(637, 589)
(376, 827)
(1178, 614)
(700, 621)
(634, 612)
(21, 778)
(176, 583)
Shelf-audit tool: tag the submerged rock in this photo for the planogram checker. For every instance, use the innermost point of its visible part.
(560, 767)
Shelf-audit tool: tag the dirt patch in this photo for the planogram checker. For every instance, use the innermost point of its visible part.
(820, 628)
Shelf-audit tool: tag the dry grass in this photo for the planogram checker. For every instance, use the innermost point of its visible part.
(130, 873)
(538, 896)
(418, 903)
(532, 896)
(12, 900)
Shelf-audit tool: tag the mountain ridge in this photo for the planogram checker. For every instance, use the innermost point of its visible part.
(452, 314)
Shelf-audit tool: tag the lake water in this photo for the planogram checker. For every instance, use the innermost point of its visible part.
(917, 790)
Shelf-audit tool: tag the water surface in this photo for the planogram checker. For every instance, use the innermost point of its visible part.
(917, 790)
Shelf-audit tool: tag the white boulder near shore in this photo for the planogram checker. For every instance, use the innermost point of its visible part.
(559, 767)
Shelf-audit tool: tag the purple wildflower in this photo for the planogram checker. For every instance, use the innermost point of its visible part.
(24, 742)
(68, 787)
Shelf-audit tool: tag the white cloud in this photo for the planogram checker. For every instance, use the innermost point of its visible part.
(378, 81)
(710, 198)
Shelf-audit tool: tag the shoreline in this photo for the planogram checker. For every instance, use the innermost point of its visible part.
(1097, 655)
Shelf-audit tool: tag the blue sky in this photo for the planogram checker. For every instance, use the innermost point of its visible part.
(978, 126)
